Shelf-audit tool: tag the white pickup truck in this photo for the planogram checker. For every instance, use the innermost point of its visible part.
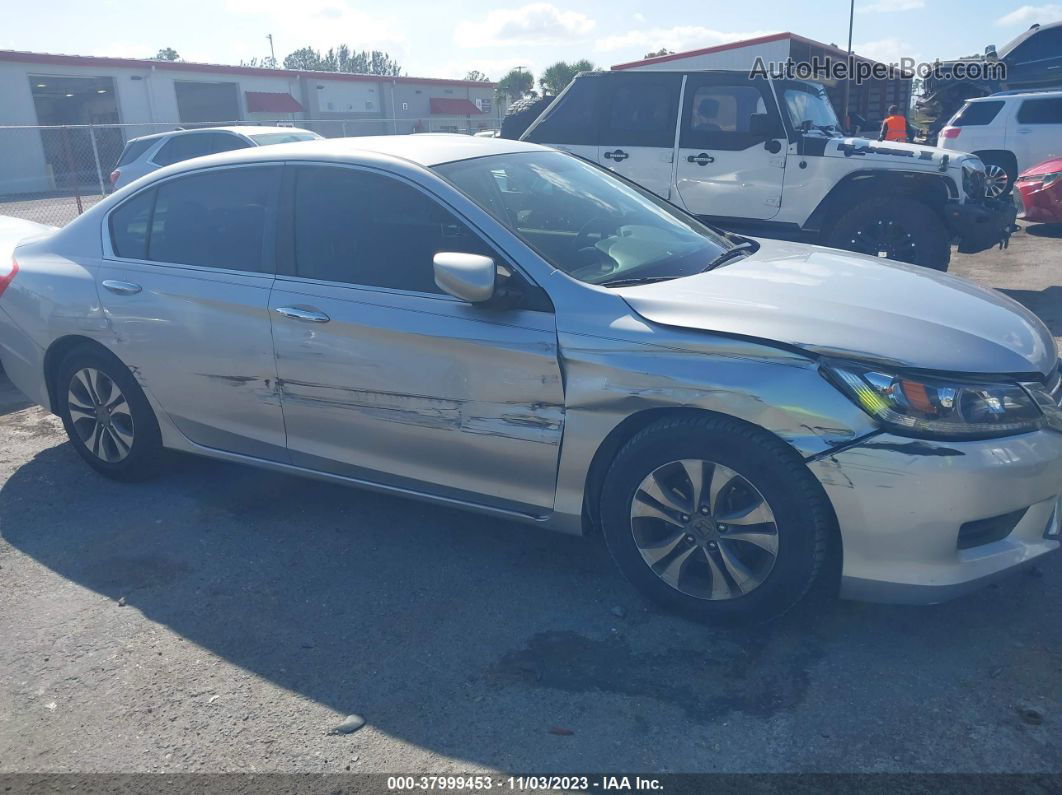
(768, 157)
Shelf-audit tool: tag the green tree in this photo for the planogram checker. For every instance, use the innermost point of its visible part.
(268, 62)
(658, 53)
(166, 54)
(556, 76)
(516, 84)
(476, 76)
(343, 59)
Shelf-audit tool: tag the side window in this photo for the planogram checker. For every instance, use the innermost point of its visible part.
(977, 114)
(1041, 111)
(369, 230)
(572, 118)
(642, 110)
(1039, 47)
(184, 147)
(129, 225)
(720, 117)
(218, 219)
(226, 142)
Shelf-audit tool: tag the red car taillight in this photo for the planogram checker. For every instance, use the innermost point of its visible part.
(950, 132)
(114, 176)
(8, 277)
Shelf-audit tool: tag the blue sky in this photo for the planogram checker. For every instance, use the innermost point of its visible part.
(446, 39)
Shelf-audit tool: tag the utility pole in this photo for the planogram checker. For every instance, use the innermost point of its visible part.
(273, 55)
(848, 82)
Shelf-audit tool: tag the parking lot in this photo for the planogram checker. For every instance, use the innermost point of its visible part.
(228, 619)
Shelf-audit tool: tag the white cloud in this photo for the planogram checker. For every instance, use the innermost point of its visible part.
(1026, 15)
(322, 24)
(885, 6)
(885, 50)
(535, 23)
(678, 38)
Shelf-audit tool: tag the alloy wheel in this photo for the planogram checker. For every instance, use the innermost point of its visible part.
(704, 529)
(996, 180)
(100, 414)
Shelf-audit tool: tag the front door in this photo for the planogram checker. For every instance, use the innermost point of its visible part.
(639, 112)
(731, 162)
(185, 285)
(386, 379)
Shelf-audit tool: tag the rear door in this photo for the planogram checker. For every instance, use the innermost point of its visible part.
(730, 163)
(1036, 135)
(188, 265)
(638, 121)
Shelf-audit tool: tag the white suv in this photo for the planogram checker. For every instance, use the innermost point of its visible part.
(1011, 132)
(768, 157)
(143, 155)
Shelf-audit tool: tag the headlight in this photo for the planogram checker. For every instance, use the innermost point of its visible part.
(917, 406)
(973, 178)
(1046, 180)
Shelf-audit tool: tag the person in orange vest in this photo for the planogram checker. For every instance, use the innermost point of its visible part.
(896, 128)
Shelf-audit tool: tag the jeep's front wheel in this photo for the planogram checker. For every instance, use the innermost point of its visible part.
(896, 229)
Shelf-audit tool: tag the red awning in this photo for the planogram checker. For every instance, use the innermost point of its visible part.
(454, 107)
(271, 102)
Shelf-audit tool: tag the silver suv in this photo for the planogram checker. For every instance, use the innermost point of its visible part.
(145, 154)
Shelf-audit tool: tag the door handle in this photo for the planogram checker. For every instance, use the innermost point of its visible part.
(303, 314)
(619, 155)
(121, 288)
(702, 159)
(1025, 131)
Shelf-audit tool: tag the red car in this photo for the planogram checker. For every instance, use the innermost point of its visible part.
(1041, 192)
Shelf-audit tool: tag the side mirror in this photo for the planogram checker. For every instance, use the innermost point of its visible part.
(990, 53)
(469, 277)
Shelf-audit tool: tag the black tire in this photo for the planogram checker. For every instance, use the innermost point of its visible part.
(141, 459)
(910, 230)
(1008, 165)
(802, 514)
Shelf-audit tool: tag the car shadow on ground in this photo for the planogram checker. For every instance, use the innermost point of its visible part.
(1044, 230)
(472, 637)
(1046, 304)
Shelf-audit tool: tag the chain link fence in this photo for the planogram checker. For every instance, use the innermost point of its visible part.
(53, 174)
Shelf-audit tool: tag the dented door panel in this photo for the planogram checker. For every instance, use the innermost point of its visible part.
(423, 392)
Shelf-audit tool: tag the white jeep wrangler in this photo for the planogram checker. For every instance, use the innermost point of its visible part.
(768, 157)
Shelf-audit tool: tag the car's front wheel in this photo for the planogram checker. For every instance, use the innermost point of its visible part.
(895, 228)
(715, 519)
(106, 415)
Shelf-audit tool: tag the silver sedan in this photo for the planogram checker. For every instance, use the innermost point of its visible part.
(498, 326)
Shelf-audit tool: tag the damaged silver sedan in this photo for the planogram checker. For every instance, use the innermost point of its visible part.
(498, 326)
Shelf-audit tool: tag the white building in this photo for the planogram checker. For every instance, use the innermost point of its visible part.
(122, 98)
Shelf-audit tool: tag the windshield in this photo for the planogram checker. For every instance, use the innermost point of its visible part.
(265, 139)
(584, 221)
(810, 103)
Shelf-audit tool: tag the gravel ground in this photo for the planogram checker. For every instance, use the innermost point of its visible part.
(225, 619)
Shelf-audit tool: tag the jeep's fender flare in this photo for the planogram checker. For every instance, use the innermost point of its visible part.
(933, 189)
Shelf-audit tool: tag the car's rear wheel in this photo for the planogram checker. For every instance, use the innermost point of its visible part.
(894, 228)
(715, 519)
(106, 416)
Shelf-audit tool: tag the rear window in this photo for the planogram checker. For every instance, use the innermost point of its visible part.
(977, 114)
(134, 149)
(266, 139)
(572, 118)
(1041, 111)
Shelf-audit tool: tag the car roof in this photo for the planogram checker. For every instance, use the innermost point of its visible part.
(243, 129)
(424, 149)
(1038, 93)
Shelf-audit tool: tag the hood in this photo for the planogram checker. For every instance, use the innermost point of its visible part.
(1052, 166)
(847, 305)
(893, 153)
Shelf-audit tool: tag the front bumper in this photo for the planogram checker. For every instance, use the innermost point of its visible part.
(1040, 204)
(901, 502)
(981, 225)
